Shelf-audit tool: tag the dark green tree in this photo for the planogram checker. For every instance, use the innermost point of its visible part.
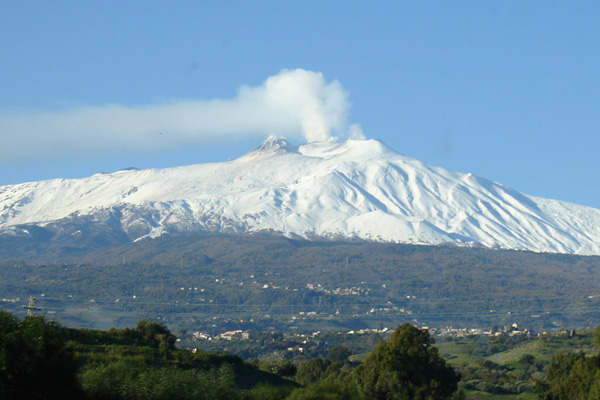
(407, 367)
(155, 334)
(562, 363)
(34, 361)
(8, 324)
(314, 370)
(571, 376)
(280, 367)
(338, 353)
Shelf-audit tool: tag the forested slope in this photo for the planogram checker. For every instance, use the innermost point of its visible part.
(260, 281)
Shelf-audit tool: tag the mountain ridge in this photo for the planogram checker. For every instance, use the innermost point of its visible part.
(356, 189)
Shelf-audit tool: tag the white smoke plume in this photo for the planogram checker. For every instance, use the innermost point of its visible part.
(294, 103)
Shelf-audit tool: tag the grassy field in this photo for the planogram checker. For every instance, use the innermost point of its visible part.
(475, 395)
(479, 365)
(459, 352)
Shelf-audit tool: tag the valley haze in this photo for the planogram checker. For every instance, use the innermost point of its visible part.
(348, 190)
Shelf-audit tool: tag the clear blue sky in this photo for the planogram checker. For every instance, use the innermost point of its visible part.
(507, 90)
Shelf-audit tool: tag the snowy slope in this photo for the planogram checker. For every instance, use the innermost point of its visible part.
(354, 189)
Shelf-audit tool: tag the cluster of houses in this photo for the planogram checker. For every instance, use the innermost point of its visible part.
(351, 291)
(510, 330)
(367, 331)
(16, 300)
(229, 335)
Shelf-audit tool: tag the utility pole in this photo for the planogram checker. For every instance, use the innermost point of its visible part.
(31, 307)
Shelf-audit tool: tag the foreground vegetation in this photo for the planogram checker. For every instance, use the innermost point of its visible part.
(502, 365)
(43, 360)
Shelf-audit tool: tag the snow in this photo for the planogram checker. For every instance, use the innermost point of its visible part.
(353, 189)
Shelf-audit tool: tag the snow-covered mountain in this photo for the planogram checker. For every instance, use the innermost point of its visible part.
(358, 189)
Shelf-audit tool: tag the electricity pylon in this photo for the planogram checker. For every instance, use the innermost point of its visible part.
(31, 307)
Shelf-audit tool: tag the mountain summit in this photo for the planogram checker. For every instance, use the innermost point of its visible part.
(356, 189)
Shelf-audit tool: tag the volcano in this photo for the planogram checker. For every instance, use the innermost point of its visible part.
(350, 190)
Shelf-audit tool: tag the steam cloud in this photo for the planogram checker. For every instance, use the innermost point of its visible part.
(294, 103)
